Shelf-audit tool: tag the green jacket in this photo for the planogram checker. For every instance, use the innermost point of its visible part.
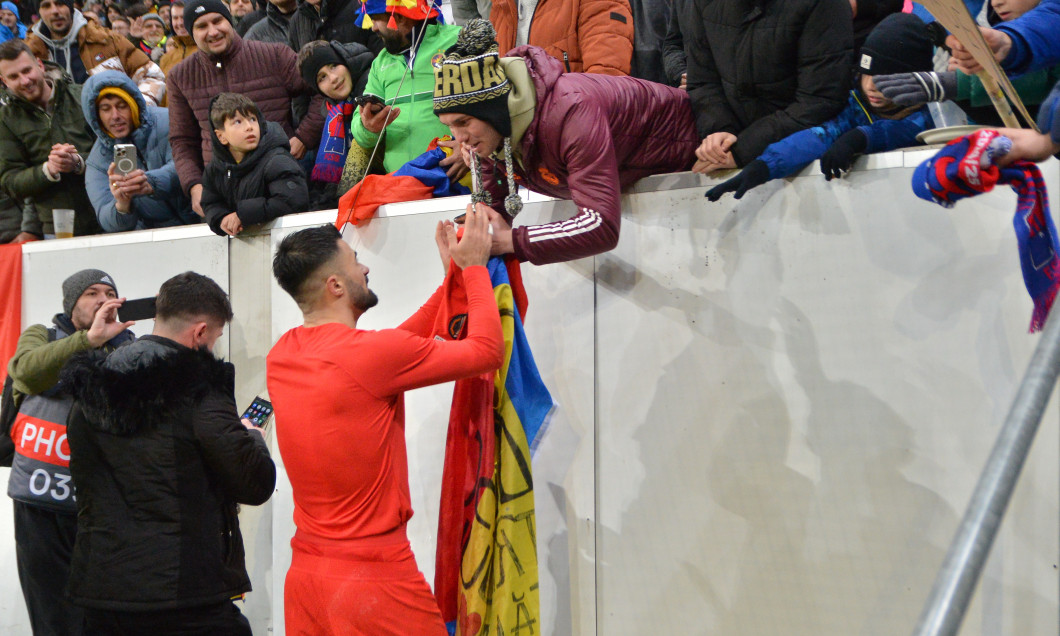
(16, 217)
(36, 364)
(27, 134)
(407, 136)
(1032, 88)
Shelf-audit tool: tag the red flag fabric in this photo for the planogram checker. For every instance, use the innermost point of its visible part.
(10, 303)
(361, 202)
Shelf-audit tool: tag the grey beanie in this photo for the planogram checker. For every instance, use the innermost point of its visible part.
(153, 16)
(77, 283)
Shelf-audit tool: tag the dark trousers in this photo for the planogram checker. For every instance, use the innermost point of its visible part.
(44, 542)
(223, 619)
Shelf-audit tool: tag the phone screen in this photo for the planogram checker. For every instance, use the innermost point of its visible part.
(259, 412)
(137, 309)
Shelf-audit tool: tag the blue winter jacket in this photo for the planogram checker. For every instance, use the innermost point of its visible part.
(1034, 41)
(798, 150)
(6, 33)
(168, 205)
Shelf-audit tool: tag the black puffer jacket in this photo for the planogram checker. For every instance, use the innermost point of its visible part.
(336, 20)
(764, 69)
(160, 460)
(267, 184)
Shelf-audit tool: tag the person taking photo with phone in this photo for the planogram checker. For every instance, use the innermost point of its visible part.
(161, 461)
(40, 481)
(137, 187)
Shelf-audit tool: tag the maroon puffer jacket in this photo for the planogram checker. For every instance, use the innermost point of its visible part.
(591, 137)
(266, 73)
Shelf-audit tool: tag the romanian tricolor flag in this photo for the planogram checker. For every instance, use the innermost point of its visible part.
(486, 577)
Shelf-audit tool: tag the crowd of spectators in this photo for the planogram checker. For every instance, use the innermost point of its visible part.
(763, 86)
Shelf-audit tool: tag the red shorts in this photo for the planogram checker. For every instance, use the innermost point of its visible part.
(348, 588)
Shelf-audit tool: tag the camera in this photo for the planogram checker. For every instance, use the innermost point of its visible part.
(124, 158)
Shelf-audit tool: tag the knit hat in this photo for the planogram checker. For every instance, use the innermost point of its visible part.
(68, 3)
(470, 80)
(114, 91)
(77, 283)
(900, 43)
(318, 58)
(153, 16)
(195, 9)
(12, 7)
(412, 9)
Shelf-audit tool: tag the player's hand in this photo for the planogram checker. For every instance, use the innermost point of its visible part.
(105, 323)
(961, 58)
(231, 224)
(474, 247)
(442, 233)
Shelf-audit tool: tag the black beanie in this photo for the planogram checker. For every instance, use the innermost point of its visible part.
(69, 3)
(900, 43)
(470, 80)
(318, 58)
(195, 9)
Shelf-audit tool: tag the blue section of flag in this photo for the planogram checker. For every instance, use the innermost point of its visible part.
(527, 391)
(428, 170)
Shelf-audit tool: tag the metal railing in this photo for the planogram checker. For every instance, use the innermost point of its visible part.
(960, 571)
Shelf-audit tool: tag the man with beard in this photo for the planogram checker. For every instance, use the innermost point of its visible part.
(40, 482)
(43, 162)
(402, 76)
(338, 392)
(81, 48)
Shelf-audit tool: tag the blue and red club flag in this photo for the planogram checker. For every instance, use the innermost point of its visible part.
(486, 576)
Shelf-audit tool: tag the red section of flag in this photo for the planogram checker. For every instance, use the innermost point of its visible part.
(10, 303)
(361, 202)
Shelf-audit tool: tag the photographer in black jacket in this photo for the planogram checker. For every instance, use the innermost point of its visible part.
(160, 459)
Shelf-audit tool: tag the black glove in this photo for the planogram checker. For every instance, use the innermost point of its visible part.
(753, 174)
(912, 89)
(840, 156)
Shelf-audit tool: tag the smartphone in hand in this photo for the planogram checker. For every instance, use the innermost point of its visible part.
(259, 413)
(137, 309)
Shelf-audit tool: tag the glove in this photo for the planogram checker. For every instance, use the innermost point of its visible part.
(841, 155)
(912, 89)
(753, 174)
(1049, 116)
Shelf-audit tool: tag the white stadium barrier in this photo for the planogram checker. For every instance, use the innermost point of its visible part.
(770, 416)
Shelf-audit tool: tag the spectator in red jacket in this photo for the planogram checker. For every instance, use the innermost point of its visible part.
(266, 73)
(575, 136)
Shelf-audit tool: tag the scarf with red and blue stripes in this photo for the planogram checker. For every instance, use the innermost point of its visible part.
(966, 167)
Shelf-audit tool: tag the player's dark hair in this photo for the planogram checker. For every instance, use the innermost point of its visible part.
(300, 255)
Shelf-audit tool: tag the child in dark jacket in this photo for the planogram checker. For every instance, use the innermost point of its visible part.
(252, 177)
(870, 123)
